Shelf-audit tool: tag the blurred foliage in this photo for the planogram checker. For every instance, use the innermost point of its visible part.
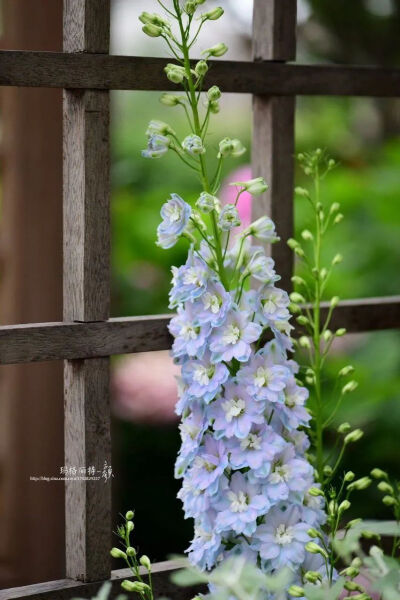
(365, 142)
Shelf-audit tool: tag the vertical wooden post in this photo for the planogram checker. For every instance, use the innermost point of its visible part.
(274, 39)
(86, 296)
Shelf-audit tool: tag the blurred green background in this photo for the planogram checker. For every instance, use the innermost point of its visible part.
(363, 135)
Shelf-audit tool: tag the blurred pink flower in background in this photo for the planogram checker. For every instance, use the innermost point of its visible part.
(144, 384)
(228, 195)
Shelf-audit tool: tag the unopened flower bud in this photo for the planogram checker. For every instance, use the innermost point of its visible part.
(201, 68)
(352, 586)
(214, 107)
(332, 507)
(337, 259)
(255, 187)
(351, 524)
(302, 320)
(340, 332)
(130, 551)
(213, 15)
(389, 501)
(296, 591)
(360, 484)
(217, 50)
(344, 428)
(350, 572)
(327, 335)
(207, 203)
(385, 487)
(214, 93)
(334, 301)
(301, 192)
(307, 235)
(134, 586)
(313, 576)
(353, 436)
(170, 99)
(129, 526)
(357, 562)
(175, 73)
(313, 533)
(129, 515)
(334, 207)
(349, 387)
(304, 342)
(314, 491)
(145, 562)
(379, 474)
(117, 553)
(314, 548)
(190, 7)
(292, 243)
(298, 280)
(345, 505)
(339, 217)
(327, 470)
(297, 298)
(349, 476)
(152, 30)
(299, 252)
(346, 371)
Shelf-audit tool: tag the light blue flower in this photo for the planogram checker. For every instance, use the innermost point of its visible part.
(256, 450)
(289, 474)
(234, 412)
(192, 430)
(292, 411)
(234, 337)
(261, 267)
(206, 544)
(195, 501)
(264, 379)
(239, 506)
(157, 146)
(209, 465)
(273, 306)
(229, 218)
(190, 338)
(189, 281)
(193, 145)
(282, 538)
(213, 305)
(313, 509)
(175, 214)
(204, 378)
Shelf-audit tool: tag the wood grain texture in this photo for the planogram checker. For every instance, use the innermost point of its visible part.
(65, 589)
(274, 39)
(101, 71)
(87, 297)
(55, 341)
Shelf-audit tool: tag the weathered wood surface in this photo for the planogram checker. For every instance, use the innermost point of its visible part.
(101, 71)
(87, 297)
(64, 589)
(55, 341)
(274, 38)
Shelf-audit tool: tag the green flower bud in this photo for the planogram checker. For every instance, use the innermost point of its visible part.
(217, 50)
(327, 335)
(299, 251)
(302, 320)
(385, 487)
(357, 562)
(379, 474)
(175, 73)
(337, 259)
(129, 515)
(307, 235)
(334, 301)
(228, 147)
(297, 298)
(294, 309)
(314, 491)
(313, 533)
(130, 551)
(213, 15)
(190, 7)
(350, 387)
(214, 93)
(339, 217)
(352, 586)
(292, 243)
(334, 207)
(389, 501)
(296, 591)
(360, 484)
(129, 526)
(327, 470)
(152, 30)
(345, 505)
(350, 572)
(313, 576)
(301, 192)
(170, 100)
(332, 507)
(145, 562)
(346, 371)
(344, 428)
(134, 586)
(201, 68)
(298, 280)
(117, 553)
(153, 19)
(351, 524)
(304, 342)
(314, 548)
(349, 476)
(214, 107)
(353, 436)
(340, 332)
(331, 163)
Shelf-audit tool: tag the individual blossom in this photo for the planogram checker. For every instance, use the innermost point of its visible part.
(263, 378)
(191, 429)
(189, 281)
(228, 147)
(190, 338)
(261, 267)
(203, 378)
(157, 146)
(229, 218)
(313, 509)
(273, 305)
(282, 538)
(292, 410)
(289, 474)
(262, 229)
(255, 187)
(239, 505)
(234, 412)
(175, 215)
(195, 501)
(206, 544)
(209, 465)
(217, 50)
(256, 450)
(207, 203)
(158, 128)
(213, 305)
(193, 145)
(234, 337)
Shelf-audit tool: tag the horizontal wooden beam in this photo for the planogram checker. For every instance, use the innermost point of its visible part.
(65, 589)
(56, 341)
(101, 71)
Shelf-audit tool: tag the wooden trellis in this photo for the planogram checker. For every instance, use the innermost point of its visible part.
(87, 337)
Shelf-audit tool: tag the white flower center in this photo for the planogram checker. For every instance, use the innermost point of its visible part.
(203, 375)
(173, 212)
(280, 474)
(190, 430)
(239, 502)
(283, 535)
(251, 442)
(231, 334)
(191, 277)
(211, 302)
(201, 463)
(189, 332)
(233, 408)
(262, 377)
(291, 400)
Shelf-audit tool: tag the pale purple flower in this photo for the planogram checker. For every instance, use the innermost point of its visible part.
(264, 379)
(292, 411)
(209, 465)
(157, 146)
(190, 338)
(213, 305)
(229, 218)
(192, 429)
(274, 304)
(256, 450)
(234, 412)
(281, 539)
(175, 214)
(261, 267)
(289, 474)
(233, 339)
(193, 145)
(313, 509)
(204, 378)
(206, 544)
(239, 506)
(195, 501)
(188, 281)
